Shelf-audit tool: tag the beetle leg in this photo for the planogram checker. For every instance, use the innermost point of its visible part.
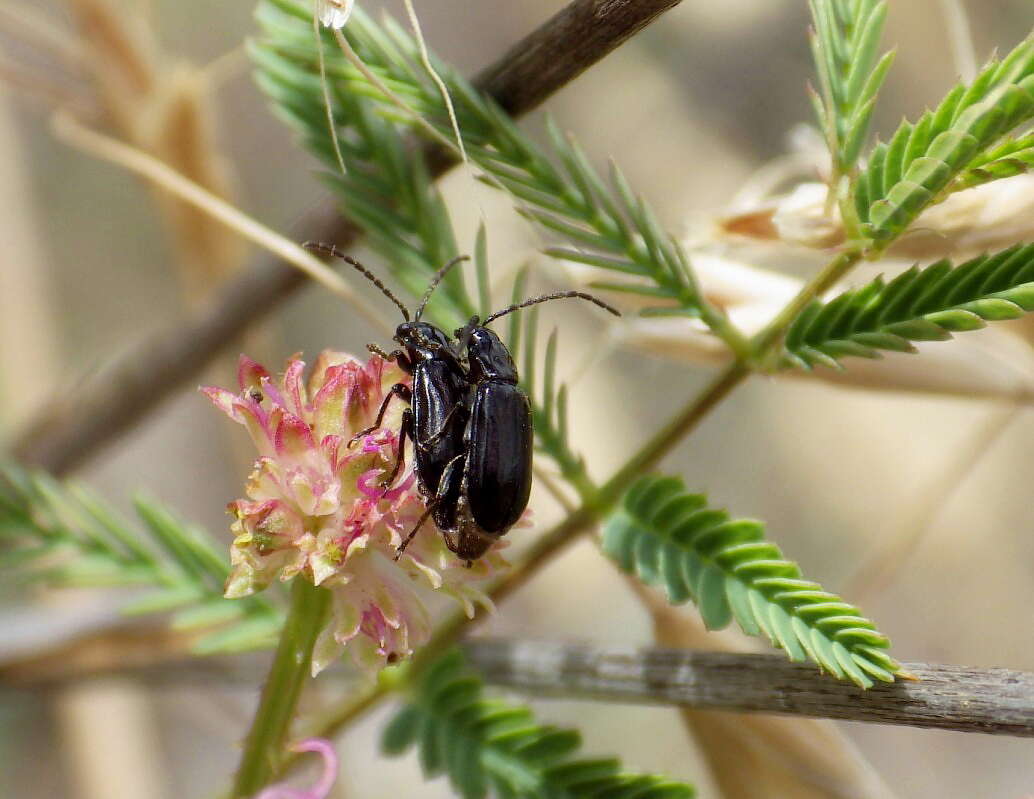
(441, 494)
(398, 356)
(404, 431)
(437, 436)
(444, 354)
(397, 390)
(412, 534)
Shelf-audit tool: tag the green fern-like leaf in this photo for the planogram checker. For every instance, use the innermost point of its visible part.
(388, 192)
(548, 403)
(1013, 157)
(385, 189)
(487, 745)
(671, 538)
(918, 305)
(608, 224)
(845, 45)
(920, 162)
(64, 536)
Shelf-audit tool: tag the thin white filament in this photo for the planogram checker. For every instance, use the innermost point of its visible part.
(426, 58)
(327, 104)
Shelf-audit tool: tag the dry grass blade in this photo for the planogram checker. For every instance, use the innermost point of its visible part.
(893, 552)
(164, 109)
(27, 24)
(101, 146)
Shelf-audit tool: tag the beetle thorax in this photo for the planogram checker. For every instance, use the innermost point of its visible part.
(488, 358)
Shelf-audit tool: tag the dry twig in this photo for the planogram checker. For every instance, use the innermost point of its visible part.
(994, 701)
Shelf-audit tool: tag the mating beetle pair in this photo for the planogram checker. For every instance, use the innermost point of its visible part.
(469, 421)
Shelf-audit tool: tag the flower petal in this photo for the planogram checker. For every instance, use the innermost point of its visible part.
(323, 786)
(221, 398)
(328, 405)
(250, 374)
(335, 13)
(293, 437)
(294, 388)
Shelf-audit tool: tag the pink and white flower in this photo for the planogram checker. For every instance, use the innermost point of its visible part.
(315, 508)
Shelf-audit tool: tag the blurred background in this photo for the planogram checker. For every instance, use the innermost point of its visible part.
(92, 259)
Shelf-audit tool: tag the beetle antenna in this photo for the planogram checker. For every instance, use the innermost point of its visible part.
(438, 277)
(559, 295)
(463, 334)
(330, 249)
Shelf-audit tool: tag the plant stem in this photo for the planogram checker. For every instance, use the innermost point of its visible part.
(720, 325)
(677, 428)
(988, 701)
(264, 747)
(765, 341)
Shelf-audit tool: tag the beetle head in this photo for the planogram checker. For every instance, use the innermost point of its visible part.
(421, 339)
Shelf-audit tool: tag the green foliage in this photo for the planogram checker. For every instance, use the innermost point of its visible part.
(918, 165)
(548, 404)
(918, 305)
(1013, 157)
(388, 192)
(386, 189)
(486, 744)
(611, 227)
(845, 45)
(65, 537)
(673, 539)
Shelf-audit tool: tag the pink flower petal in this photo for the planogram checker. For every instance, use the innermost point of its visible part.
(368, 484)
(273, 393)
(331, 764)
(250, 374)
(222, 399)
(401, 489)
(293, 437)
(324, 362)
(328, 406)
(253, 416)
(294, 388)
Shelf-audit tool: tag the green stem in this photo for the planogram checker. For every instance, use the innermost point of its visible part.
(720, 325)
(265, 745)
(676, 428)
(765, 341)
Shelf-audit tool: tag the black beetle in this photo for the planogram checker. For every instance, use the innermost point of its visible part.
(437, 416)
(470, 422)
(495, 480)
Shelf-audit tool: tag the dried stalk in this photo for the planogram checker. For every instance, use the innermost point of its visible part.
(992, 701)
